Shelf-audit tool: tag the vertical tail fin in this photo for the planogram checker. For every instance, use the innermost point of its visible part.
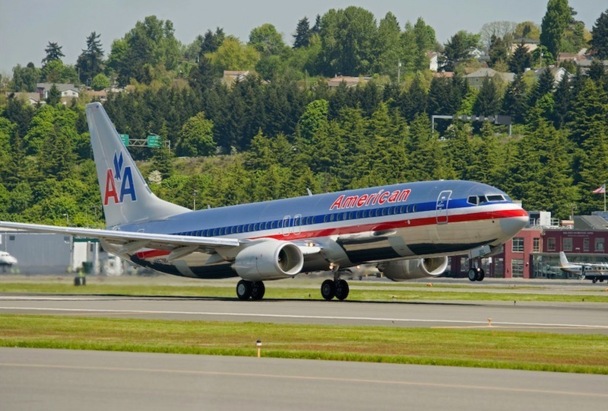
(125, 195)
(563, 261)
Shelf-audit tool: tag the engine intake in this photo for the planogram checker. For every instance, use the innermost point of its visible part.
(269, 260)
(402, 270)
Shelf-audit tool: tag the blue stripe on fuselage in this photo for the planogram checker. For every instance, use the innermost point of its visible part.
(248, 219)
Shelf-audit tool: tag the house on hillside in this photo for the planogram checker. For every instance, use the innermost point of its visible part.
(558, 73)
(68, 91)
(348, 80)
(232, 76)
(529, 44)
(433, 60)
(476, 78)
(30, 98)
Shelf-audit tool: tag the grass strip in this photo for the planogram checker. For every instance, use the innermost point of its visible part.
(487, 348)
(304, 292)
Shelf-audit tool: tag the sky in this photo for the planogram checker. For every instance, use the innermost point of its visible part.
(27, 26)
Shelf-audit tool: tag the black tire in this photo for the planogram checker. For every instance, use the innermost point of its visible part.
(472, 274)
(328, 289)
(258, 290)
(244, 289)
(342, 289)
(480, 274)
(594, 280)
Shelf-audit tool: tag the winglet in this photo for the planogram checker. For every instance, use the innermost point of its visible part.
(125, 195)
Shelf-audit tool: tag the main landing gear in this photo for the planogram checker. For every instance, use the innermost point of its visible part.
(335, 288)
(246, 290)
(476, 274)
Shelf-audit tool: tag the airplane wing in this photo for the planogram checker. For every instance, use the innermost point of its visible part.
(127, 241)
(124, 242)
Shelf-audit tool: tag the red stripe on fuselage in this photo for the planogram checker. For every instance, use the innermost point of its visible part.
(402, 222)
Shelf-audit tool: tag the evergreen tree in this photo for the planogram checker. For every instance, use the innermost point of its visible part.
(53, 52)
(425, 41)
(520, 60)
(458, 49)
(90, 61)
(416, 101)
(498, 51)
(303, 33)
(56, 157)
(388, 46)
(162, 159)
(599, 39)
(589, 113)
(212, 41)
(488, 99)
(515, 101)
(555, 21)
(54, 96)
(597, 72)
(563, 101)
(544, 85)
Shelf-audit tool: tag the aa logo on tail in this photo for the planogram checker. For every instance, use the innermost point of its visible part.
(120, 176)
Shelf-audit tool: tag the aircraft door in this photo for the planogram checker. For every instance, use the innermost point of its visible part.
(441, 212)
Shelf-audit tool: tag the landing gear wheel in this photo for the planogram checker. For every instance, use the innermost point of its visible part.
(472, 274)
(257, 290)
(342, 289)
(476, 274)
(244, 289)
(328, 289)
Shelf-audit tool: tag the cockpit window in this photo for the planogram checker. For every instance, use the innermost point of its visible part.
(476, 200)
(495, 197)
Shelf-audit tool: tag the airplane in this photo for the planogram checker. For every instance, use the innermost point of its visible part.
(6, 260)
(590, 271)
(406, 230)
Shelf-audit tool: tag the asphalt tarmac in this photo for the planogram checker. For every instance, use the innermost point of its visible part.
(512, 315)
(76, 380)
(32, 379)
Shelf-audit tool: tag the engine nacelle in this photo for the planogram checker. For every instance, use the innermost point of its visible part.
(402, 270)
(269, 260)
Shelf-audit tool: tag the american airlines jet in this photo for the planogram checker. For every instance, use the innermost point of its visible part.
(406, 230)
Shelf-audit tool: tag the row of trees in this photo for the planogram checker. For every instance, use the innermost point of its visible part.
(279, 137)
(342, 41)
(319, 139)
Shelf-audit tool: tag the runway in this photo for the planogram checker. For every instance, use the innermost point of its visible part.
(523, 316)
(76, 380)
(71, 380)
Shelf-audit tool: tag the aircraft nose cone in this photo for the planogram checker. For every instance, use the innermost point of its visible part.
(513, 225)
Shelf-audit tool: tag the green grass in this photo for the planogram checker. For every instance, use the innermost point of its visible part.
(488, 348)
(306, 290)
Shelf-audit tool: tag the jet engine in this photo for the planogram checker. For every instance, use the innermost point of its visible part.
(269, 260)
(402, 270)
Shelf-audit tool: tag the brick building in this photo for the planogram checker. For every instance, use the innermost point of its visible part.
(534, 251)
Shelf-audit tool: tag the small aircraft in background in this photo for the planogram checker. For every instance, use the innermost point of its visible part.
(589, 271)
(6, 260)
(405, 230)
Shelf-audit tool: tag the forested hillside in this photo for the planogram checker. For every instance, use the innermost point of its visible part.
(282, 129)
